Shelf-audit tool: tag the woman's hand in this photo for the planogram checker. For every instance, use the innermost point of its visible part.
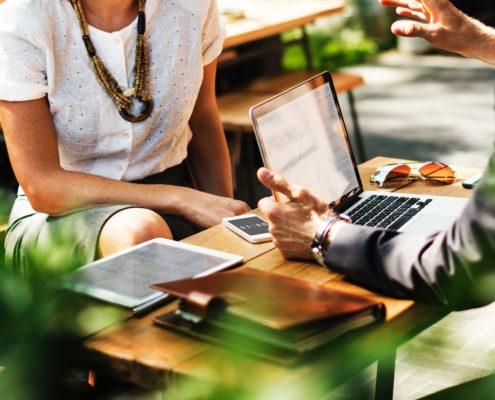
(207, 210)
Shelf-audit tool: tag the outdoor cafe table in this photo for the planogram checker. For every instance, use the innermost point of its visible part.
(263, 18)
(149, 356)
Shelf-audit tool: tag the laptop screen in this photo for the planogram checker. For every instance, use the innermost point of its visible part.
(302, 136)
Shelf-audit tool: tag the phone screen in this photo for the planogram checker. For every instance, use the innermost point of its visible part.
(251, 225)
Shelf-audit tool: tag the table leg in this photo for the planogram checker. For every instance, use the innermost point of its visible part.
(385, 377)
(251, 167)
(234, 143)
(357, 129)
(307, 49)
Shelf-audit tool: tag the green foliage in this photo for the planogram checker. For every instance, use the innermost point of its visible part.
(6, 200)
(330, 52)
(343, 42)
(42, 327)
(373, 20)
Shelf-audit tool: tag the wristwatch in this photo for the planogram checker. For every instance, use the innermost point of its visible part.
(321, 241)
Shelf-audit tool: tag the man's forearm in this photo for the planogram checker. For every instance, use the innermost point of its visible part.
(449, 267)
(445, 26)
(483, 46)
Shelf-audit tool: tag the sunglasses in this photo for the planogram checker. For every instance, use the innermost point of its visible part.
(431, 171)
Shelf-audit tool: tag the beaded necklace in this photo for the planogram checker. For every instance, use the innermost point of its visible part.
(138, 96)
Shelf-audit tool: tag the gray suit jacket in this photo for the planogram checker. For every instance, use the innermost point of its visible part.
(454, 267)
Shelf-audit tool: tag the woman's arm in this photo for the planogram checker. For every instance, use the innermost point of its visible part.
(32, 145)
(208, 153)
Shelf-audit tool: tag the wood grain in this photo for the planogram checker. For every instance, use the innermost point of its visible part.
(264, 19)
(223, 239)
(234, 106)
(419, 187)
(343, 82)
(149, 356)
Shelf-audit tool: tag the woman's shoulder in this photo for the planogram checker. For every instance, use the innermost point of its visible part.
(33, 20)
(25, 15)
(21, 8)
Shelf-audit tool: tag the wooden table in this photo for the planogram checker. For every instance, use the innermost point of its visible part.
(268, 18)
(149, 356)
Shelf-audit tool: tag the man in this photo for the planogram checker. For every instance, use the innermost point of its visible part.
(449, 267)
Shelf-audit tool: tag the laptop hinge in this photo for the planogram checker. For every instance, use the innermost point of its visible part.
(346, 204)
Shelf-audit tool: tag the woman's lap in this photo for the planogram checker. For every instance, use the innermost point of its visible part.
(38, 233)
(78, 232)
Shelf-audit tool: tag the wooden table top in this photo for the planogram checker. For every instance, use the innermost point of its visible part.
(150, 356)
(263, 19)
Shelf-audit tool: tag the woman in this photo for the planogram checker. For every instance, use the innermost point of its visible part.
(97, 99)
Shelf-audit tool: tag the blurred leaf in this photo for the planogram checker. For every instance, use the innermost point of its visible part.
(344, 41)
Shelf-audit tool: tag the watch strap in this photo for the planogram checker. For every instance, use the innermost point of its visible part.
(320, 242)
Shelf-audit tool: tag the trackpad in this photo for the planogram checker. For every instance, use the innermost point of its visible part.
(430, 223)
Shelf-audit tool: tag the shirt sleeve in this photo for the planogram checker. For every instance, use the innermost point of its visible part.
(22, 61)
(454, 267)
(213, 34)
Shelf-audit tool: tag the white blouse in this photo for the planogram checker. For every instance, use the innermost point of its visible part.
(42, 54)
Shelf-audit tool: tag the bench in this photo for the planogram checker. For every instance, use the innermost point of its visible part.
(234, 107)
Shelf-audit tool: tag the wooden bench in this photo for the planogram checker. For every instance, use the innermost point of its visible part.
(234, 107)
(234, 111)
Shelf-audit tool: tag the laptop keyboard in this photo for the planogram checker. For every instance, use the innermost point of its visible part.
(390, 212)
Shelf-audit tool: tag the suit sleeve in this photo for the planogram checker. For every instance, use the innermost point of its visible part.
(455, 267)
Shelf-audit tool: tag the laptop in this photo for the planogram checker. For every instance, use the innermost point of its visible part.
(301, 135)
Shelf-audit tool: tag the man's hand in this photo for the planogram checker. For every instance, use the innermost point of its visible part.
(443, 25)
(292, 224)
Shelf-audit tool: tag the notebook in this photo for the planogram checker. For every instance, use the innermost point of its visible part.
(302, 135)
(273, 316)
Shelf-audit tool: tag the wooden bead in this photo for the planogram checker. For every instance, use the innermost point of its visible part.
(141, 88)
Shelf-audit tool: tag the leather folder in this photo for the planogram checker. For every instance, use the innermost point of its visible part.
(265, 313)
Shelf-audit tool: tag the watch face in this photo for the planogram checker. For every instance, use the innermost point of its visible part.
(317, 254)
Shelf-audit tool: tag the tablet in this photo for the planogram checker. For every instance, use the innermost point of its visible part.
(124, 278)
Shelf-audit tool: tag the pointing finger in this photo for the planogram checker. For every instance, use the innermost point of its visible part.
(276, 182)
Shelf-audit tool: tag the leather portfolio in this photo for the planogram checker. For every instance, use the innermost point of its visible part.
(265, 313)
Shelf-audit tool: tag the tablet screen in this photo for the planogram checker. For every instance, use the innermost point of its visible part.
(125, 278)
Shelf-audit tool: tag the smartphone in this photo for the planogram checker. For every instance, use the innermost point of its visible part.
(470, 182)
(250, 227)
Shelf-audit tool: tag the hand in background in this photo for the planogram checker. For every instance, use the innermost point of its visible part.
(443, 25)
(293, 224)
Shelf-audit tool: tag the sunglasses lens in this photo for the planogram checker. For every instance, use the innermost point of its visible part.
(390, 173)
(398, 173)
(438, 172)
